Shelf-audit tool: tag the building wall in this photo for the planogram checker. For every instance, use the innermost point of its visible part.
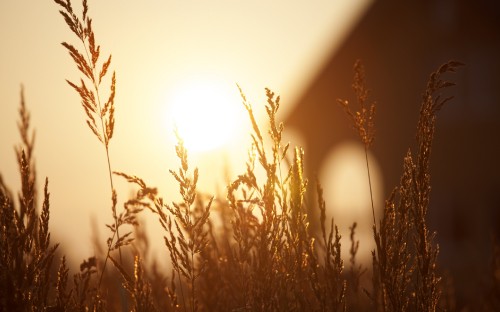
(400, 44)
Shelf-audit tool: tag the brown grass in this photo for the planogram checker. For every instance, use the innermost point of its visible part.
(264, 257)
(26, 252)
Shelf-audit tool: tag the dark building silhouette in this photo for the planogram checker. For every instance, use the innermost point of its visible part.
(400, 44)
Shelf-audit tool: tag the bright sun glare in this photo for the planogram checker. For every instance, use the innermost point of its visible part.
(207, 113)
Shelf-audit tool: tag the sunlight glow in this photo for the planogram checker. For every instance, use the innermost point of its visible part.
(207, 113)
(188, 44)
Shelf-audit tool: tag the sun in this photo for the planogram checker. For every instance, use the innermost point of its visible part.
(207, 113)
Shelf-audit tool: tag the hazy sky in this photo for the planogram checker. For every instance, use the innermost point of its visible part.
(157, 47)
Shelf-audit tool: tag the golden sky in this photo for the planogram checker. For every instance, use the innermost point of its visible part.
(158, 48)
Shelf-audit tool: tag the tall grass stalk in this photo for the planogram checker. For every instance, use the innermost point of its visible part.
(91, 99)
(26, 254)
(405, 261)
(363, 119)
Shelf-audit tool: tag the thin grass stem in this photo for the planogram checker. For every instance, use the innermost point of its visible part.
(370, 184)
(182, 290)
(106, 145)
